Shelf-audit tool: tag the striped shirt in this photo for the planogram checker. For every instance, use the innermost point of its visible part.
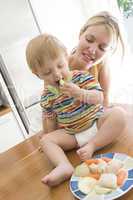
(73, 115)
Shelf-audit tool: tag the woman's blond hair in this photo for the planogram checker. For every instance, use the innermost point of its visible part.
(42, 48)
(105, 18)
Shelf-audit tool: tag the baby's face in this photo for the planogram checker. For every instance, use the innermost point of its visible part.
(54, 70)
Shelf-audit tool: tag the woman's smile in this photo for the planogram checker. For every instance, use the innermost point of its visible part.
(87, 57)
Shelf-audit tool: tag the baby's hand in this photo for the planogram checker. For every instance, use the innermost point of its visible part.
(71, 90)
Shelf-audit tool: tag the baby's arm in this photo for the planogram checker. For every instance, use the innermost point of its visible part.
(92, 96)
(49, 123)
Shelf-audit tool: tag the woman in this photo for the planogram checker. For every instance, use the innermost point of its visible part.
(91, 53)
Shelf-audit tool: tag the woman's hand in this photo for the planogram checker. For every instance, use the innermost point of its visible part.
(71, 90)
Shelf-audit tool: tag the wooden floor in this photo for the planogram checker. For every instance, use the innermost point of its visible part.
(22, 167)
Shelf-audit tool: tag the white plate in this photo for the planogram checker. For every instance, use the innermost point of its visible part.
(128, 184)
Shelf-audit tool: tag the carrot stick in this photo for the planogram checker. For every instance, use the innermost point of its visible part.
(121, 176)
(92, 161)
(106, 159)
(95, 175)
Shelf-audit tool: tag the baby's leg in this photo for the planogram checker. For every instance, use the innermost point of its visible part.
(110, 125)
(53, 145)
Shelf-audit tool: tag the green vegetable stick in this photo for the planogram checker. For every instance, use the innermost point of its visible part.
(62, 82)
(69, 78)
(53, 89)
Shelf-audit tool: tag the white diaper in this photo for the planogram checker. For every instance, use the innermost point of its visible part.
(84, 136)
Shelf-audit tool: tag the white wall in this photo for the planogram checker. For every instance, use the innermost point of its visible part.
(16, 22)
(61, 18)
(92, 7)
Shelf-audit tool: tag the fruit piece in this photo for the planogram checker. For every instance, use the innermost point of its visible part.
(95, 175)
(102, 166)
(113, 166)
(93, 168)
(69, 78)
(91, 161)
(106, 159)
(108, 180)
(121, 176)
(62, 82)
(53, 89)
(86, 184)
(102, 190)
(128, 164)
(82, 170)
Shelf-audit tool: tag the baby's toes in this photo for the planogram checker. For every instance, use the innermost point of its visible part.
(84, 157)
(79, 152)
(45, 179)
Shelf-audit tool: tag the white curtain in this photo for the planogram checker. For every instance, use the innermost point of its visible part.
(65, 18)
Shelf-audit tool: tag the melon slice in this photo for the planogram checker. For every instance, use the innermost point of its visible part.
(86, 184)
(102, 190)
(82, 170)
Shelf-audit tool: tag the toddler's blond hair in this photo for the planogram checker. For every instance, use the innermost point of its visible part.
(42, 48)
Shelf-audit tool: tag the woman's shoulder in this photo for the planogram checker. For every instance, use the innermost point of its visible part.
(98, 66)
(95, 70)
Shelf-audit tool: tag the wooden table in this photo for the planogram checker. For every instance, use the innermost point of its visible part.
(22, 167)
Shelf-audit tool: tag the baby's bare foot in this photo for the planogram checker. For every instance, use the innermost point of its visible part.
(86, 151)
(58, 175)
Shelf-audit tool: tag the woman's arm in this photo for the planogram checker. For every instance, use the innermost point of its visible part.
(104, 80)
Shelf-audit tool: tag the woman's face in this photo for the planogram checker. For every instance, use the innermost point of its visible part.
(93, 45)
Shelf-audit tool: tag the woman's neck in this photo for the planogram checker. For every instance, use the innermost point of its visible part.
(75, 64)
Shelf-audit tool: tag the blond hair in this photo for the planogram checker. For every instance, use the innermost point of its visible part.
(42, 48)
(104, 18)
